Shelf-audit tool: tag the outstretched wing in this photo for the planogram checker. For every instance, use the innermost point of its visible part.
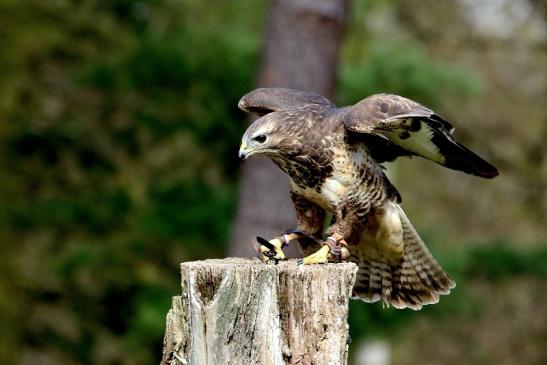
(415, 129)
(266, 100)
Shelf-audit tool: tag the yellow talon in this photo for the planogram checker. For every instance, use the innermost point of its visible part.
(319, 257)
(266, 254)
(273, 250)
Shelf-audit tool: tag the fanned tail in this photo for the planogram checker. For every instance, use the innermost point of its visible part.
(411, 281)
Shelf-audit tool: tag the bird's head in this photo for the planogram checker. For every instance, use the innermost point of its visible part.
(265, 136)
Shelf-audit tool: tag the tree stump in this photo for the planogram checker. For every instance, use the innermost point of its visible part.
(242, 311)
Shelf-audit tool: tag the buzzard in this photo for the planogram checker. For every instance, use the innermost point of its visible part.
(333, 158)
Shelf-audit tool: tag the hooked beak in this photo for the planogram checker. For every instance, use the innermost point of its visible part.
(243, 153)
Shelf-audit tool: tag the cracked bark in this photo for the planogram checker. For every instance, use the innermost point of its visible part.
(242, 311)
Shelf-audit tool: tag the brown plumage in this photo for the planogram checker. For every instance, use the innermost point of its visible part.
(333, 156)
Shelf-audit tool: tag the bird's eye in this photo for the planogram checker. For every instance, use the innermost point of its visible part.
(261, 138)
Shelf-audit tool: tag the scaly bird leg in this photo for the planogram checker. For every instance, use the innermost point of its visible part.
(272, 251)
(334, 249)
(298, 233)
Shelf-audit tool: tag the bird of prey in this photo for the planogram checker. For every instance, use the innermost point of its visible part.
(333, 158)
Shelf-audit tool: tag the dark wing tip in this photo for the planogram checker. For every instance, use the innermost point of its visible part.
(489, 173)
(480, 167)
(471, 163)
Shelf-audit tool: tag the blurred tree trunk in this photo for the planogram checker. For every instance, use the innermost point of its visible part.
(301, 48)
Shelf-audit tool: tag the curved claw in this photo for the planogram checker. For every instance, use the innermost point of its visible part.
(268, 251)
(266, 243)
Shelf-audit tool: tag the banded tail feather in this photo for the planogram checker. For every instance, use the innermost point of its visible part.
(416, 279)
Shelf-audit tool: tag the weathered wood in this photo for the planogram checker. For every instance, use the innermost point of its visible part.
(242, 311)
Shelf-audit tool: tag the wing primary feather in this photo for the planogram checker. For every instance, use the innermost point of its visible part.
(429, 138)
(267, 100)
(413, 129)
(459, 157)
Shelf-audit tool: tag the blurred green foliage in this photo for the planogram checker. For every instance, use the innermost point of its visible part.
(118, 138)
(492, 262)
(382, 65)
(502, 261)
(118, 146)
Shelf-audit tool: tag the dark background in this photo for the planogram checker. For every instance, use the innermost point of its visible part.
(119, 132)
